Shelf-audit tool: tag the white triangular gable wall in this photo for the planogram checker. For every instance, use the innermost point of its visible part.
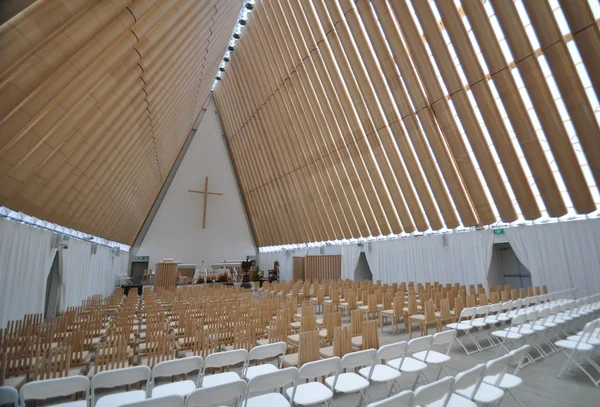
(176, 231)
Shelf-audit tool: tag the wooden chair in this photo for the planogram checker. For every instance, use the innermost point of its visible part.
(370, 335)
(411, 309)
(395, 314)
(192, 343)
(513, 294)
(308, 350)
(342, 343)
(424, 320)
(349, 305)
(444, 316)
(522, 293)
(109, 356)
(358, 317)
(54, 363)
(332, 321)
(307, 324)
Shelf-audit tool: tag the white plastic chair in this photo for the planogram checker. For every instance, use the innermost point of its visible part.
(485, 393)
(511, 380)
(216, 395)
(404, 399)
(380, 373)
(578, 352)
(511, 334)
(469, 379)
(482, 323)
(408, 364)
(46, 389)
(9, 395)
(218, 360)
(349, 382)
(433, 357)
(117, 378)
(170, 368)
(437, 392)
(172, 400)
(464, 325)
(311, 393)
(264, 352)
(270, 381)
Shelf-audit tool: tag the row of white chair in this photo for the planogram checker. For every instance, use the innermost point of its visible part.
(401, 357)
(474, 321)
(482, 385)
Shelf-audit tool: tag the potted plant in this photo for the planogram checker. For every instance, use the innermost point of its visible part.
(256, 274)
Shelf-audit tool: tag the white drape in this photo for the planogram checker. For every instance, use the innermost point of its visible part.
(350, 256)
(495, 275)
(86, 274)
(463, 258)
(560, 255)
(26, 257)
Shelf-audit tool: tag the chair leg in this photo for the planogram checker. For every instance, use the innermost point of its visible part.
(514, 397)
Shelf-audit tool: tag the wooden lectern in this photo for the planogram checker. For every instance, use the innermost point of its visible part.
(166, 275)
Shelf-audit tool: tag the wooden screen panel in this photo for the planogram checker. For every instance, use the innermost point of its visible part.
(166, 275)
(298, 268)
(325, 267)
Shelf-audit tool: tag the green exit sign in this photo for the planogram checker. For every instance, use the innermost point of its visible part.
(498, 231)
(140, 257)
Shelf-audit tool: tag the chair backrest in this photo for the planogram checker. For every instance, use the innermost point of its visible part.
(166, 401)
(119, 377)
(358, 359)
(45, 389)
(419, 344)
(308, 347)
(228, 358)
(216, 395)
(498, 367)
(444, 337)
(467, 313)
(265, 352)
(518, 356)
(483, 310)
(342, 341)
(358, 317)
(469, 378)
(435, 391)
(370, 335)
(176, 367)
(9, 395)
(404, 399)
(516, 322)
(389, 352)
(318, 368)
(270, 381)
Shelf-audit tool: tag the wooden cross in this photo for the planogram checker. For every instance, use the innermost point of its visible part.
(206, 194)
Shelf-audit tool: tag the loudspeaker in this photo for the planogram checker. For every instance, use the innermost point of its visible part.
(94, 248)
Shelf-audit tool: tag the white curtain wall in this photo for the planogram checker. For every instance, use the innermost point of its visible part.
(26, 257)
(350, 255)
(560, 255)
(461, 257)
